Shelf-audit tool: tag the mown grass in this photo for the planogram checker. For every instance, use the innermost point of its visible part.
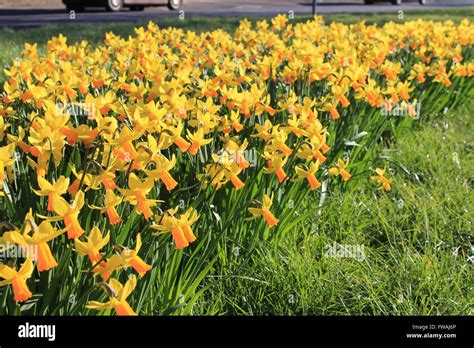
(12, 41)
(416, 241)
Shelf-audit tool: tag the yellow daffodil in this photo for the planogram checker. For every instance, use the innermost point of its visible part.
(110, 202)
(91, 247)
(131, 257)
(275, 163)
(381, 179)
(197, 140)
(304, 172)
(340, 169)
(264, 211)
(52, 190)
(118, 294)
(161, 171)
(125, 149)
(180, 227)
(69, 213)
(17, 279)
(36, 244)
(136, 194)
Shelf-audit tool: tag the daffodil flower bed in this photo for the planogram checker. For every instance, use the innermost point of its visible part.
(131, 170)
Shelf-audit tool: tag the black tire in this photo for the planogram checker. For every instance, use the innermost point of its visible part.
(114, 5)
(423, 2)
(137, 8)
(174, 4)
(368, 2)
(396, 2)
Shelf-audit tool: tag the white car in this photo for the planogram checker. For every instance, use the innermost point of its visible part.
(117, 5)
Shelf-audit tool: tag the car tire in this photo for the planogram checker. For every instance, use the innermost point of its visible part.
(396, 2)
(423, 2)
(174, 4)
(368, 2)
(114, 5)
(137, 8)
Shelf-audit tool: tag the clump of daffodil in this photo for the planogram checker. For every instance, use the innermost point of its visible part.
(112, 130)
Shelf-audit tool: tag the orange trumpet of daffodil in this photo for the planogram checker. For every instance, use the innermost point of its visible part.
(52, 190)
(264, 211)
(18, 279)
(118, 294)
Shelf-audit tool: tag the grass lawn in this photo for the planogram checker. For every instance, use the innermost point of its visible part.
(416, 239)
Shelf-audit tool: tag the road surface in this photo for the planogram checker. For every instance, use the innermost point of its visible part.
(27, 17)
